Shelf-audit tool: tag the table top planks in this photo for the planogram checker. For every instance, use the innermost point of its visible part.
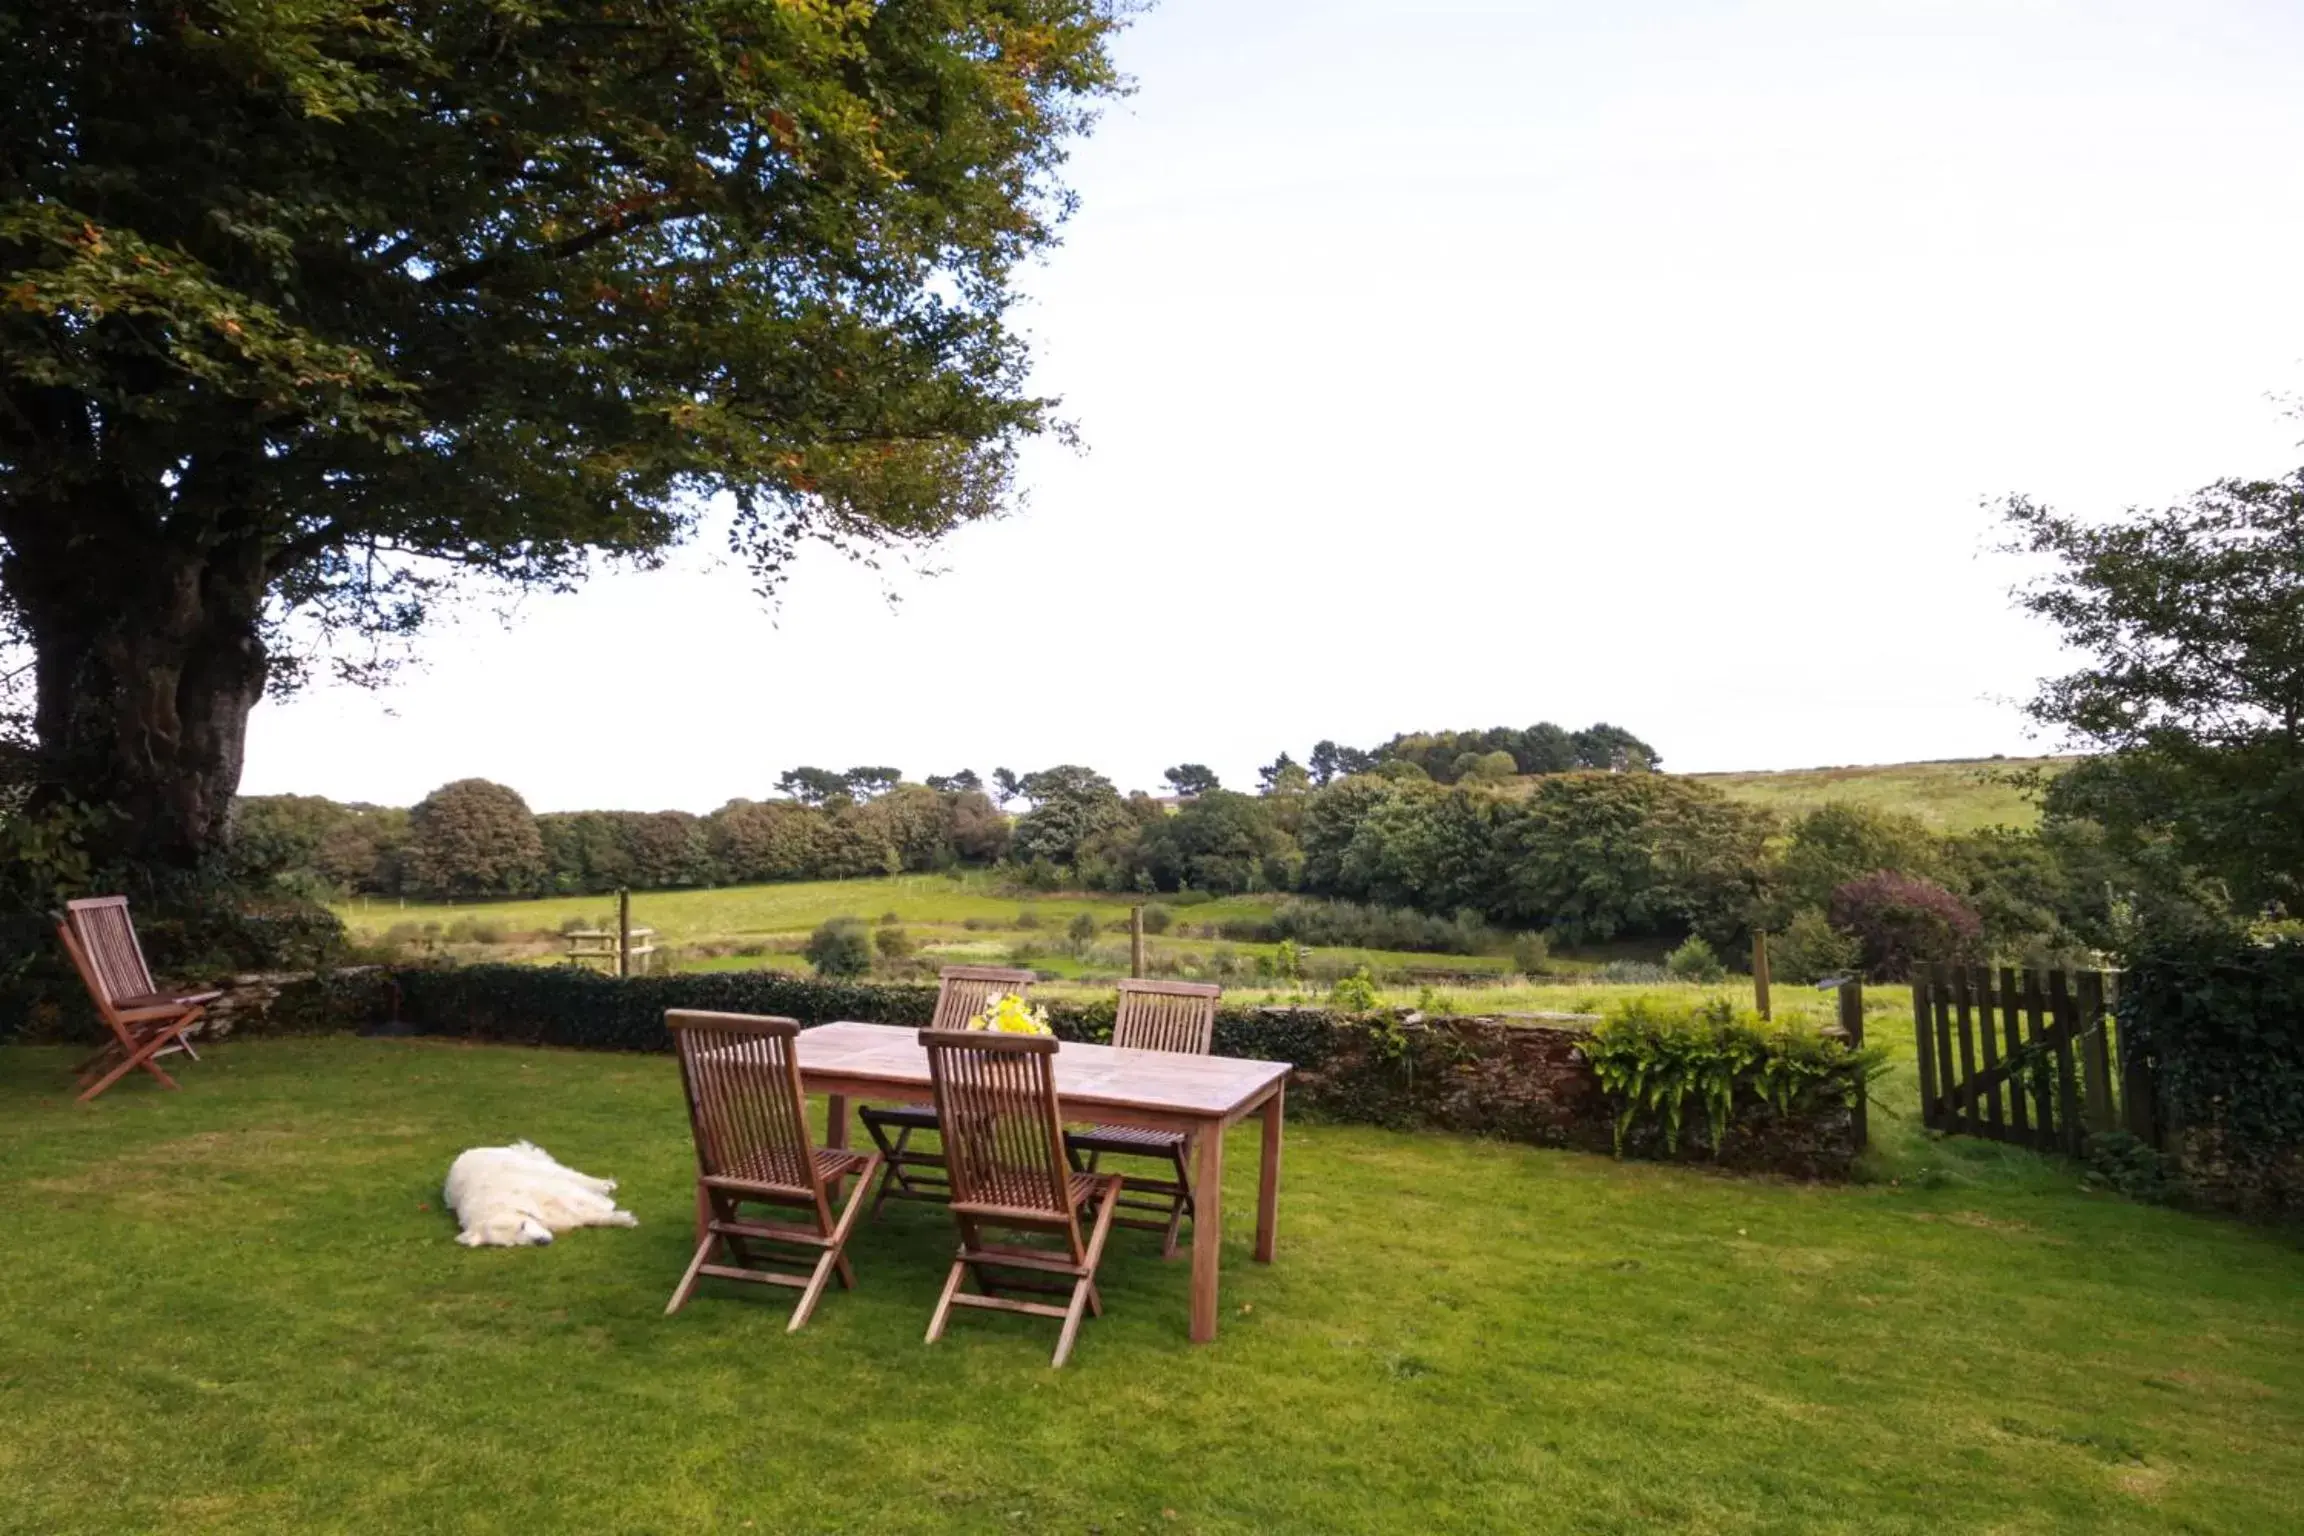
(1100, 1076)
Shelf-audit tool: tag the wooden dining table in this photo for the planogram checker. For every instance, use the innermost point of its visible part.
(1203, 1096)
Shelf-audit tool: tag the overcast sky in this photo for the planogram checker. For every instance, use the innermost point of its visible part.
(1461, 365)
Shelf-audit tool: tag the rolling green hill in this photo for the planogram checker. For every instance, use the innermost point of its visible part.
(1955, 795)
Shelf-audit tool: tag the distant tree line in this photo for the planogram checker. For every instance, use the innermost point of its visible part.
(1584, 853)
(475, 839)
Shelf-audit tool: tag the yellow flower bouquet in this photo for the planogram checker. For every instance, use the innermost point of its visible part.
(1007, 1014)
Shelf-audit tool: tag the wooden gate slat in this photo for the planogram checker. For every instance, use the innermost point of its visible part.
(1963, 995)
(1940, 986)
(2036, 1079)
(1987, 1030)
(2012, 1032)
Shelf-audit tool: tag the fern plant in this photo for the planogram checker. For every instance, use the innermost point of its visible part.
(1656, 1059)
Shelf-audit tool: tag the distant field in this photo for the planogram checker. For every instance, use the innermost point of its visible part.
(753, 911)
(961, 919)
(1961, 795)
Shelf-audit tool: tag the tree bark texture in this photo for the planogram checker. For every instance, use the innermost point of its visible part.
(148, 636)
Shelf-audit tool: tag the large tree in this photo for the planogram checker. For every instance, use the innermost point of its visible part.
(2190, 623)
(310, 308)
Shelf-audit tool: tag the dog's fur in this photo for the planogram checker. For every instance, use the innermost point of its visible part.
(505, 1197)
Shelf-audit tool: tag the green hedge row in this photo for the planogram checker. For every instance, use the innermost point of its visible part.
(583, 1010)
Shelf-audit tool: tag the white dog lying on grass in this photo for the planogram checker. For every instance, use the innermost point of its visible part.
(505, 1197)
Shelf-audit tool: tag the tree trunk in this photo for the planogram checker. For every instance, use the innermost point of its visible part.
(147, 667)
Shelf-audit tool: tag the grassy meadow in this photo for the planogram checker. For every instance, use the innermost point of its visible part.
(239, 1309)
(1958, 795)
(963, 918)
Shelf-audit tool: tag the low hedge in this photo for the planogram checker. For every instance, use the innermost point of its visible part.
(1529, 1082)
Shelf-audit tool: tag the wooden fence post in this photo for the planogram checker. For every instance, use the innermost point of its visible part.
(1136, 942)
(623, 931)
(1923, 1032)
(1760, 974)
(1852, 1026)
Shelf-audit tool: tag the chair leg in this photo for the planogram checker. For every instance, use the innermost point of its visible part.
(944, 1302)
(847, 1221)
(1071, 1323)
(129, 1062)
(1084, 1292)
(687, 1285)
(814, 1290)
(1182, 1203)
(893, 1151)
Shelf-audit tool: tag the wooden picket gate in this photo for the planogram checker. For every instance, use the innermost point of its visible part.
(2026, 1057)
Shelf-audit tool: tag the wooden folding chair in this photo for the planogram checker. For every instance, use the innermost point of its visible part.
(1154, 1016)
(146, 1023)
(750, 1121)
(961, 993)
(1004, 1152)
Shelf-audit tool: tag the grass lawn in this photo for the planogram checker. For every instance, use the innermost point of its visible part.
(1956, 796)
(239, 1308)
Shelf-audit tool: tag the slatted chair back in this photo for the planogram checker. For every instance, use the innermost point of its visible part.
(1166, 1016)
(104, 937)
(744, 1100)
(962, 991)
(1003, 1134)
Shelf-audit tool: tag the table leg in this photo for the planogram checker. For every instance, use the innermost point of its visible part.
(836, 1120)
(1268, 1179)
(1207, 1230)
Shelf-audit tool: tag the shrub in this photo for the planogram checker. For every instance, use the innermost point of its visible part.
(1694, 961)
(1158, 919)
(1900, 921)
(1810, 949)
(841, 947)
(1836, 843)
(1531, 954)
(893, 943)
(1350, 925)
(1027, 918)
(1082, 928)
(1660, 1062)
(1355, 993)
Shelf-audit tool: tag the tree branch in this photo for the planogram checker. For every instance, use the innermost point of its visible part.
(474, 273)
